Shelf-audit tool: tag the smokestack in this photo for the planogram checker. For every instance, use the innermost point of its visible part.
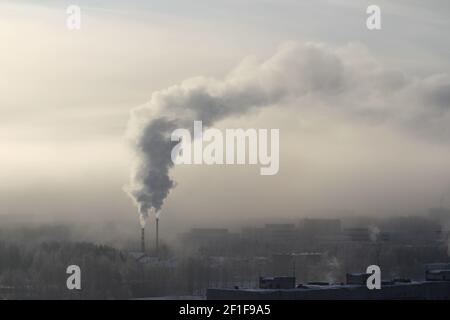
(143, 239)
(157, 237)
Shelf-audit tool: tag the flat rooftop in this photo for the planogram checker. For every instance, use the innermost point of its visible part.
(420, 290)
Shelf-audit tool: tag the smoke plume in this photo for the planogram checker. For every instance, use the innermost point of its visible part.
(346, 77)
(374, 232)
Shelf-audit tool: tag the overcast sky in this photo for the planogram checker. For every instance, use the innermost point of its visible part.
(381, 145)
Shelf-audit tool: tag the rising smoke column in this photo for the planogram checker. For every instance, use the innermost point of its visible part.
(374, 233)
(347, 77)
(252, 85)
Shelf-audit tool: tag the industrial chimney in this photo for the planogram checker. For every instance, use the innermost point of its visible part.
(143, 239)
(157, 236)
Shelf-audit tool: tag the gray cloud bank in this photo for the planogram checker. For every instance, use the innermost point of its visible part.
(346, 78)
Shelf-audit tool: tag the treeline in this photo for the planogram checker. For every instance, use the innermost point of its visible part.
(39, 271)
(34, 259)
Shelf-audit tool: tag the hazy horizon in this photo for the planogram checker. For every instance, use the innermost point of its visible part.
(369, 137)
